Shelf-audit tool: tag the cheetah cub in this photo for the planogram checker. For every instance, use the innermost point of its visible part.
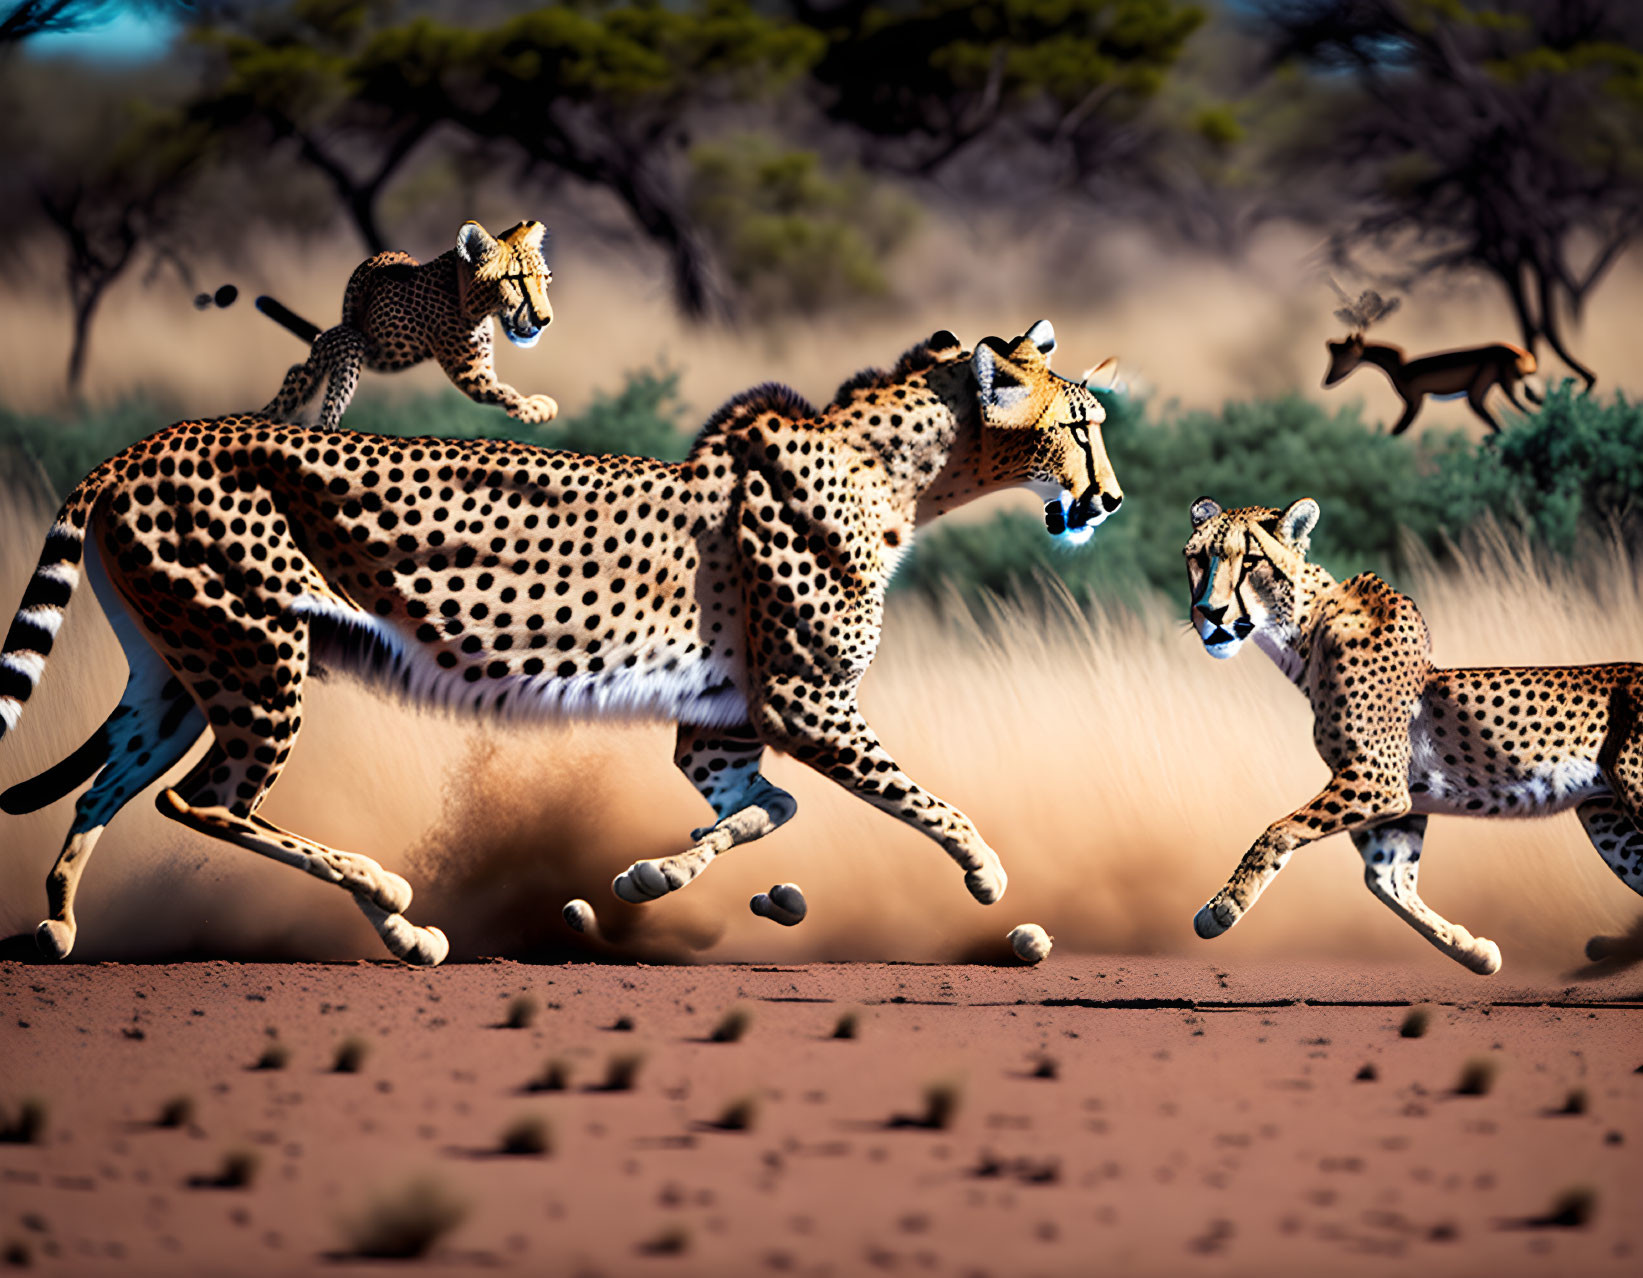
(397, 312)
(1404, 739)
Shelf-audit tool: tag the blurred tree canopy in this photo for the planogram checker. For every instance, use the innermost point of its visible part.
(790, 235)
(774, 152)
(109, 182)
(1504, 136)
(931, 78)
(602, 93)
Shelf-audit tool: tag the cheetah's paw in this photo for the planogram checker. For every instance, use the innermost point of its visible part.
(55, 938)
(987, 881)
(1213, 919)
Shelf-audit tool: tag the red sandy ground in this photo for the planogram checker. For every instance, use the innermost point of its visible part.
(1195, 1120)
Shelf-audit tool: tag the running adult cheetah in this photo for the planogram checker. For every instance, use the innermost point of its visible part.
(739, 593)
(1403, 738)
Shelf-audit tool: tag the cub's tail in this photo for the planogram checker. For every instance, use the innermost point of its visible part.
(286, 318)
(40, 615)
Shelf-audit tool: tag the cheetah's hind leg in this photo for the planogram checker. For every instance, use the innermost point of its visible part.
(1391, 855)
(151, 729)
(723, 764)
(334, 363)
(1619, 841)
(254, 728)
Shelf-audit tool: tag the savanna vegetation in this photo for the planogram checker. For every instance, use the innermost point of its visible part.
(1570, 471)
(773, 156)
(772, 160)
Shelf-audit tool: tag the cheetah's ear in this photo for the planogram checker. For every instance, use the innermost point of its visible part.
(1203, 510)
(528, 235)
(474, 244)
(1042, 335)
(997, 386)
(1295, 525)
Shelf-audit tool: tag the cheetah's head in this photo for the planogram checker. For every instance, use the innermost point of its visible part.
(1044, 431)
(508, 278)
(1245, 567)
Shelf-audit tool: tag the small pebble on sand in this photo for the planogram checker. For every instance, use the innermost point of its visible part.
(1031, 943)
(579, 914)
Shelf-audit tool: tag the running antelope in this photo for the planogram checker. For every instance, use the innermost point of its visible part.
(1444, 375)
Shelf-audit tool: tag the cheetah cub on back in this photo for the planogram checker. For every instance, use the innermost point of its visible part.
(397, 312)
(1403, 738)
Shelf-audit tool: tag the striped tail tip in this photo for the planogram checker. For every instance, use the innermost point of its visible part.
(34, 629)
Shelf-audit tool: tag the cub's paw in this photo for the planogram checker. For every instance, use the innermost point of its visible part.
(783, 904)
(430, 948)
(1483, 957)
(537, 408)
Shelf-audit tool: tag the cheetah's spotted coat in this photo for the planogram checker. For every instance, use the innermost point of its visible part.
(739, 592)
(1404, 739)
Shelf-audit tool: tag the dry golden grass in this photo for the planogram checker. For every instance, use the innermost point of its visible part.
(1191, 326)
(1117, 769)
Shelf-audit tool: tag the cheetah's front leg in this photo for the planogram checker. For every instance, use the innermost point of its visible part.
(1341, 805)
(722, 763)
(1391, 863)
(837, 741)
(473, 372)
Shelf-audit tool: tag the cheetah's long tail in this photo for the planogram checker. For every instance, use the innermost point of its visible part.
(40, 615)
(286, 318)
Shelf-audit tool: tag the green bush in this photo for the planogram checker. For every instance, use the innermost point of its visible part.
(67, 447)
(643, 419)
(792, 235)
(1575, 465)
(1257, 452)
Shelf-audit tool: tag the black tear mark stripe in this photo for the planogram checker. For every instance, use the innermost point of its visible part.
(1082, 438)
(1246, 565)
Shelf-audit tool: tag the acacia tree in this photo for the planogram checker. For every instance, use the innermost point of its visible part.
(284, 76)
(105, 169)
(111, 207)
(602, 93)
(1061, 86)
(1506, 138)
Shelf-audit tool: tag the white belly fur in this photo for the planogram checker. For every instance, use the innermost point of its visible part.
(1540, 789)
(708, 691)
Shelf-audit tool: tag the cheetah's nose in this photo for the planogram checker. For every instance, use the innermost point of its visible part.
(1112, 501)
